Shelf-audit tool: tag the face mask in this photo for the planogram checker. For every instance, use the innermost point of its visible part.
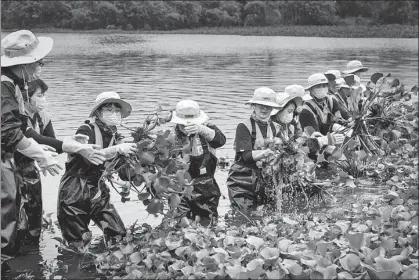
(286, 117)
(111, 118)
(40, 102)
(320, 93)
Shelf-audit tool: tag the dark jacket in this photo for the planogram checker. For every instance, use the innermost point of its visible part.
(11, 125)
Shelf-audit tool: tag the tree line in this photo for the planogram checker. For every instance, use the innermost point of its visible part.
(169, 15)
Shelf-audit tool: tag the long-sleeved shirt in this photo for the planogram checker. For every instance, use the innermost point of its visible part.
(307, 118)
(244, 145)
(11, 124)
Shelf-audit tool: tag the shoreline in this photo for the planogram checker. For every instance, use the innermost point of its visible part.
(336, 31)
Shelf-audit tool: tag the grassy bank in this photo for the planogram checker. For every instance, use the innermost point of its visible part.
(340, 31)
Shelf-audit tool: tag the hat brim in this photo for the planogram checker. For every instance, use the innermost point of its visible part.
(44, 47)
(319, 83)
(201, 119)
(125, 106)
(298, 100)
(266, 103)
(359, 69)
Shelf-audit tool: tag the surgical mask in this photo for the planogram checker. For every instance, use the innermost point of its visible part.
(35, 74)
(40, 102)
(111, 118)
(286, 117)
(320, 93)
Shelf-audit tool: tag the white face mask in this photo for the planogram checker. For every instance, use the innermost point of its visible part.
(40, 102)
(320, 93)
(286, 117)
(111, 118)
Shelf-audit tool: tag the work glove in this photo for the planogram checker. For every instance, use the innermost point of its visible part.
(342, 129)
(78, 144)
(125, 149)
(203, 130)
(44, 156)
(261, 154)
(330, 139)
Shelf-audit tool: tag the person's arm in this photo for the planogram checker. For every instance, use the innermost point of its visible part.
(49, 130)
(307, 119)
(45, 140)
(343, 112)
(219, 139)
(11, 133)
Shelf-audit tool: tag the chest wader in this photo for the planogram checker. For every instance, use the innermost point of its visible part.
(11, 184)
(31, 189)
(323, 119)
(245, 185)
(206, 192)
(81, 200)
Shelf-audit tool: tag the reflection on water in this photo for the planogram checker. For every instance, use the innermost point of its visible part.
(220, 72)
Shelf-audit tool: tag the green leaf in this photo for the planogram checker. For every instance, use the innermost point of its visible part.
(356, 241)
(255, 241)
(350, 263)
(388, 264)
(375, 77)
(292, 266)
(410, 274)
(330, 272)
(344, 275)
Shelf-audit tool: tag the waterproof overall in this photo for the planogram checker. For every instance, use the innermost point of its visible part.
(206, 192)
(82, 197)
(244, 182)
(12, 133)
(32, 186)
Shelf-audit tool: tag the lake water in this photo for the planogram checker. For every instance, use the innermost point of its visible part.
(220, 72)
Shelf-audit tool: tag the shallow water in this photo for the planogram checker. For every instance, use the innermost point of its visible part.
(220, 72)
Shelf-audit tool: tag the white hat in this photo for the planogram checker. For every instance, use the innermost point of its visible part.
(355, 66)
(23, 47)
(340, 83)
(316, 79)
(111, 97)
(292, 92)
(264, 96)
(187, 111)
(333, 74)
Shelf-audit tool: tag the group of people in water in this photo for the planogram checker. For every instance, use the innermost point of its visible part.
(29, 145)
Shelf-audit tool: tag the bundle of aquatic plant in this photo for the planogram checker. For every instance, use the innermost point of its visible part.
(386, 121)
(289, 175)
(157, 172)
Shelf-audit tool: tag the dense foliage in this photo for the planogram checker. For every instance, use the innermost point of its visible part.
(170, 15)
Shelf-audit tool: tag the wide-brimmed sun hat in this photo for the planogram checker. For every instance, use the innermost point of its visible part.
(340, 83)
(291, 92)
(111, 97)
(316, 79)
(355, 66)
(333, 74)
(188, 112)
(264, 96)
(23, 47)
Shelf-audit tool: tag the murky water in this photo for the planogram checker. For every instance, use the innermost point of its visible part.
(220, 72)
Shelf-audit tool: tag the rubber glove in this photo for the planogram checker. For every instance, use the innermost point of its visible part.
(44, 156)
(203, 130)
(124, 149)
(78, 144)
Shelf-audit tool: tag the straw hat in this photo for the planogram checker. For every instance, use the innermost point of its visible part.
(355, 66)
(264, 96)
(316, 79)
(111, 97)
(23, 47)
(188, 111)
